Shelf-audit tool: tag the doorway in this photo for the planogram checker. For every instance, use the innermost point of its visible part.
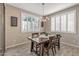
(2, 29)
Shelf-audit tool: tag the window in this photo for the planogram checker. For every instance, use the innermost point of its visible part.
(64, 22)
(71, 22)
(29, 23)
(57, 23)
(53, 23)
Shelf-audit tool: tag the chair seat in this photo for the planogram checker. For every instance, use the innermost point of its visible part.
(46, 44)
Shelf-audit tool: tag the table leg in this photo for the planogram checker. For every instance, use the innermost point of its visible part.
(58, 44)
(42, 49)
(36, 48)
(32, 46)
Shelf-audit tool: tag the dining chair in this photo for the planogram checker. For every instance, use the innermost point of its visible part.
(35, 35)
(44, 33)
(57, 38)
(36, 45)
(53, 44)
(49, 45)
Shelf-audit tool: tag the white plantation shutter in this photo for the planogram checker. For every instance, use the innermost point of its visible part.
(71, 22)
(29, 25)
(52, 23)
(58, 23)
(63, 23)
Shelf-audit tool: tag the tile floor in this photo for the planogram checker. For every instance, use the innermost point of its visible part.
(24, 50)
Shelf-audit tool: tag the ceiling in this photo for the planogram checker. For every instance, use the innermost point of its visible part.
(37, 8)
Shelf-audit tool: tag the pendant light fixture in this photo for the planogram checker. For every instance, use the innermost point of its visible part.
(44, 18)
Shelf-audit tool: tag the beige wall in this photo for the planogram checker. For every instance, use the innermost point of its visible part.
(13, 35)
(68, 38)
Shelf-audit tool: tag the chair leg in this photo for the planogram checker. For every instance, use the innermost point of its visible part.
(42, 50)
(58, 46)
(47, 52)
(32, 44)
(55, 48)
(53, 51)
(36, 48)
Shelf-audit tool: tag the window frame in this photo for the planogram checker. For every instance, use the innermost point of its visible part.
(66, 22)
(28, 14)
(57, 24)
(74, 11)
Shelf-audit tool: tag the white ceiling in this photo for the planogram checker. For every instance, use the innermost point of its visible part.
(38, 9)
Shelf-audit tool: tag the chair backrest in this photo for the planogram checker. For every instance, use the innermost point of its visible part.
(51, 37)
(42, 33)
(50, 41)
(58, 36)
(35, 35)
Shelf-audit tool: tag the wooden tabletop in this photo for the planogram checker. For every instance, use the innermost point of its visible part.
(40, 39)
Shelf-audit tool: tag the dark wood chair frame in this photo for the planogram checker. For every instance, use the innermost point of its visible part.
(51, 45)
(58, 36)
(37, 46)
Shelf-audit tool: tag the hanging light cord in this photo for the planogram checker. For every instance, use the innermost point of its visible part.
(43, 8)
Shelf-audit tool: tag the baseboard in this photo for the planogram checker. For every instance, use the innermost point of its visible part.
(15, 45)
(76, 46)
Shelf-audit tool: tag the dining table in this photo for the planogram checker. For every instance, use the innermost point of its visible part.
(39, 40)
